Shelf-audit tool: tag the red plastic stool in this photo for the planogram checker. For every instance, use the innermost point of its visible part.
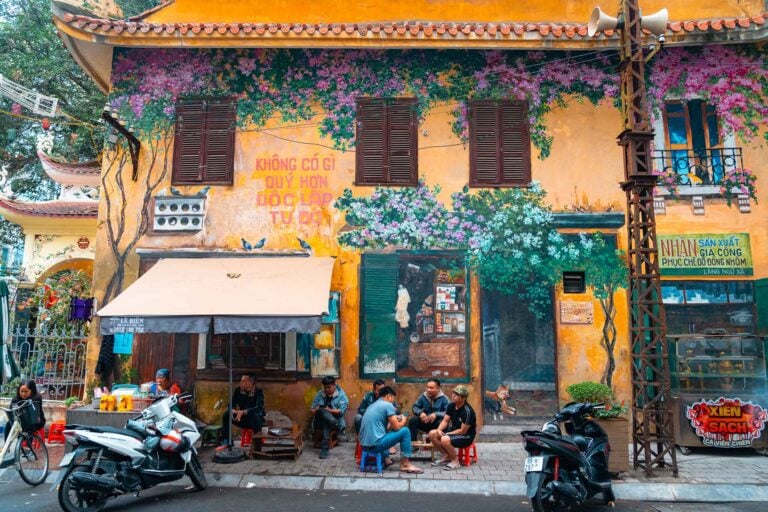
(468, 454)
(56, 432)
(246, 436)
(40, 433)
(358, 452)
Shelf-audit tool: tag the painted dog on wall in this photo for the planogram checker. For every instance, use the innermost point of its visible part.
(496, 402)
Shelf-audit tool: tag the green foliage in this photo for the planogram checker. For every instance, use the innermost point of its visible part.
(607, 268)
(596, 393)
(70, 400)
(134, 7)
(34, 57)
(52, 300)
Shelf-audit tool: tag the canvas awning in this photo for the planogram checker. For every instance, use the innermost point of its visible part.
(256, 294)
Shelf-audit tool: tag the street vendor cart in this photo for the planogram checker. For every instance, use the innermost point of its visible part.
(719, 392)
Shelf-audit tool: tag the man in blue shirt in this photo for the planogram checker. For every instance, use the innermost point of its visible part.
(329, 406)
(369, 398)
(373, 429)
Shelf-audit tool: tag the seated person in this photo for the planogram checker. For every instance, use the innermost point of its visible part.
(368, 399)
(328, 407)
(27, 390)
(247, 408)
(456, 430)
(162, 385)
(380, 417)
(428, 410)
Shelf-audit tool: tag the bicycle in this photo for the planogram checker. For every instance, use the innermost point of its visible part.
(30, 456)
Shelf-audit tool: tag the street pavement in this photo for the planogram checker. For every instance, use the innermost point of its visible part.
(706, 475)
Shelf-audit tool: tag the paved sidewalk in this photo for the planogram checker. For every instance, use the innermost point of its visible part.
(705, 475)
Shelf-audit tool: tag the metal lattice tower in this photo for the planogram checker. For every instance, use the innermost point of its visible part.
(652, 438)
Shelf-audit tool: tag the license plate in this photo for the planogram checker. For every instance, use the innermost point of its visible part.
(534, 464)
(67, 459)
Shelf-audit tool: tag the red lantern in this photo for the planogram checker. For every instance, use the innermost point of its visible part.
(46, 123)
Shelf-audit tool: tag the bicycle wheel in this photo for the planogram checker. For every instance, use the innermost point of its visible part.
(31, 458)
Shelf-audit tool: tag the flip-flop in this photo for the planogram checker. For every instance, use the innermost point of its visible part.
(440, 463)
(388, 462)
(414, 470)
(451, 466)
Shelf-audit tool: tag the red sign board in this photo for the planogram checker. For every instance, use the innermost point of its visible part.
(727, 422)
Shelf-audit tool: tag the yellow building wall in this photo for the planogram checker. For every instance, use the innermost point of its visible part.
(330, 11)
(287, 177)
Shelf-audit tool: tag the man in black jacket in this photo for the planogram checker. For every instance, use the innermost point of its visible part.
(247, 408)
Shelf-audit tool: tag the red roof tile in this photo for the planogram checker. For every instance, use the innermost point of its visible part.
(399, 30)
(67, 209)
(89, 168)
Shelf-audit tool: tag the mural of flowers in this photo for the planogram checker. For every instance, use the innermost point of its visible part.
(734, 80)
(738, 182)
(292, 84)
(509, 234)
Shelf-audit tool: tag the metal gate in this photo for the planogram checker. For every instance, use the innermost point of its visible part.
(54, 357)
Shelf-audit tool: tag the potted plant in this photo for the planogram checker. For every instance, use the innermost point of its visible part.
(612, 419)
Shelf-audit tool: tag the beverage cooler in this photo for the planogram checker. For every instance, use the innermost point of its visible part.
(719, 391)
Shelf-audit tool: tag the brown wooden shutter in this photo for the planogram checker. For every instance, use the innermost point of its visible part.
(499, 143)
(188, 147)
(402, 141)
(387, 151)
(220, 141)
(483, 146)
(515, 142)
(204, 148)
(371, 122)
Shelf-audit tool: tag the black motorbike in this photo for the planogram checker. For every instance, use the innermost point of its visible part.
(564, 470)
(106, 462)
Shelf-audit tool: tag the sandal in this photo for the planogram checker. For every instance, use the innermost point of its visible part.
(440, 463)
(451, 466)
(388, 462)
(412, 469)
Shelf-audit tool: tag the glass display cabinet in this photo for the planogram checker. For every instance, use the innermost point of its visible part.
(719, 391)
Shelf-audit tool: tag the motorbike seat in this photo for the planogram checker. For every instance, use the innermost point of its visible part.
(110, 430)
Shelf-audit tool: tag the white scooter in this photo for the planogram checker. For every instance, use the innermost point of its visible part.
(106, 462)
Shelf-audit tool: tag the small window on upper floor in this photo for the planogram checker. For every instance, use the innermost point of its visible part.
(499, 144)
(204, 147)
(387, 142)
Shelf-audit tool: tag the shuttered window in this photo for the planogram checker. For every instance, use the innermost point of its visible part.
(378, 329)
(500, 144)
(204, 149)
(387, 151)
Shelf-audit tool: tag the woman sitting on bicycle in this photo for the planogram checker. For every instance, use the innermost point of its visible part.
(27, 390)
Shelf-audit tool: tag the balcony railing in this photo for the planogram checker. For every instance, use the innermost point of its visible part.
(697, 166)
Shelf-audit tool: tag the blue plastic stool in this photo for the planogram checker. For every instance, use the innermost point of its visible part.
(368, 452)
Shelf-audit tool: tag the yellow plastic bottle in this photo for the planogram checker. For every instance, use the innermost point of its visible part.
(104, 403)
(111, 403)
(125, 404)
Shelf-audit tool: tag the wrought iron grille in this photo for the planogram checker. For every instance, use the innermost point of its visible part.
(53, 357)
(698, 166)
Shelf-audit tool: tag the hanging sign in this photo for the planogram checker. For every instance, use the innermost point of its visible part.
(717, 254)
(727, 422)
(123, 343)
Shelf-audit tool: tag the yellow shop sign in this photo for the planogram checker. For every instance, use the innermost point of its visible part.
(705, 255)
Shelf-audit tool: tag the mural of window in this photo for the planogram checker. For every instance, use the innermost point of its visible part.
(204, 145)
(281, 354)
(387, 142)
(500, 143)
(693, 138)
(701, 306)
(427, 334)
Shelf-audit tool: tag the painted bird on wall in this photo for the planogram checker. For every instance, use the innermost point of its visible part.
(176, 192)
(248, 246)
(203, 191)
(304, 245)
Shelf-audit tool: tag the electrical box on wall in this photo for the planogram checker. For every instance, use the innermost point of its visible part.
(178, 214)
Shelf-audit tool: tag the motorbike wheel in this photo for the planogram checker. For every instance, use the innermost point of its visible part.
(543, 500)
(196, 474)
(73, 499)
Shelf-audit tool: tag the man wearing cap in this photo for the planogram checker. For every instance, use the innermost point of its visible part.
(162, 385)
(456, 430)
